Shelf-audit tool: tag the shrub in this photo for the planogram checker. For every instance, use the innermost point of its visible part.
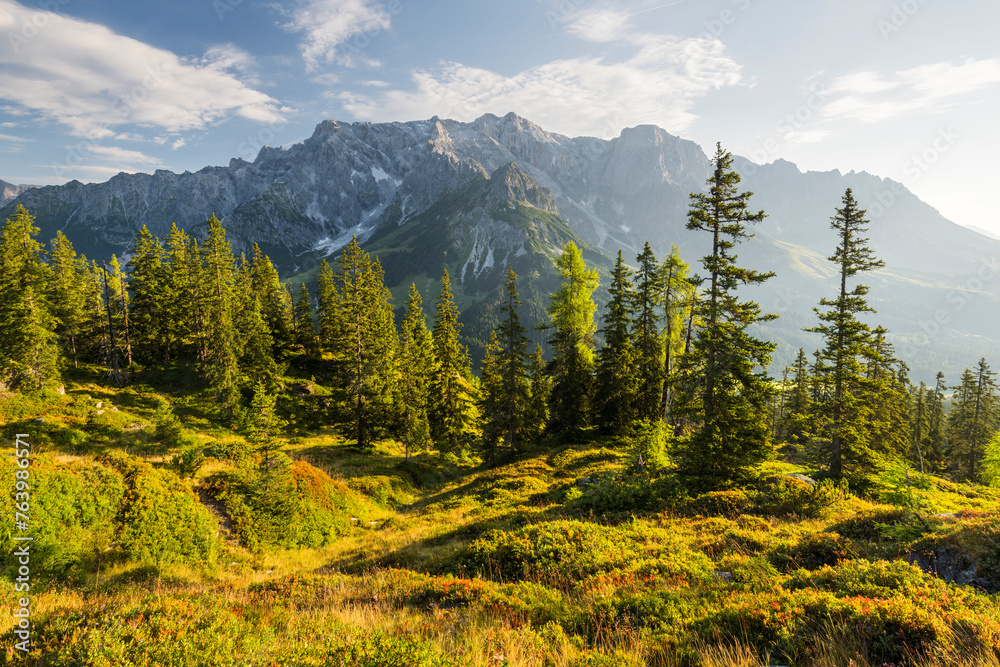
(188, 462)
(814, 551)
(730, 503)
(379, 650)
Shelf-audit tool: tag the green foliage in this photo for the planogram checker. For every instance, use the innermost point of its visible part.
(386, 651)
(991, 462)
(722, 390)
(160, 520)
(188, 462)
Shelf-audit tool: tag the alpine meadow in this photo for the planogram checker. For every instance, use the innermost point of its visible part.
(476, 391)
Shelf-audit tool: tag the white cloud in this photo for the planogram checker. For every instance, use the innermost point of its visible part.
(179, 143)
(336, 31)
(600, 25)
(10, 137)
(89, 78)
(120, 155)
(593, 96)
(871, 97)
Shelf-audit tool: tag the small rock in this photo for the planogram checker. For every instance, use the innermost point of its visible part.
(949, 515)
(584, 481)
(99, 404)
(38, 420)
(724, 576)
(802, 478)
(61, 390)
(99, 412)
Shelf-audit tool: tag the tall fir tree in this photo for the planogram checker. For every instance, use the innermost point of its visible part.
(274, 302)
(726, 391)
(68, 296)
(147, 309)
(972, 421)
(327, 309)
(452, 421)
(508, 399)
(679, 295)
(795, 422)
(537, 415)
(936, 449)
(305, 327)
(219, 276)
(847, 340)
(571, 314)
(29, 348)
(366, 342)
(616, 384)
(416, 357)
(647, 338)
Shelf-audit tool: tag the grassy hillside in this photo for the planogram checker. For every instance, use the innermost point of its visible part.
(570, 555)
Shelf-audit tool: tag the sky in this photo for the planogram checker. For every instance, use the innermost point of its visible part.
(904, 89)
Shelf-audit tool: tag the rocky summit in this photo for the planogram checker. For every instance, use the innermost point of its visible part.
(476, 196)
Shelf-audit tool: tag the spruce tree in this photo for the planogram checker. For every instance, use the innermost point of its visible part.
(847, 340)
(29, 349)
(326, 313)
(272, 296)
(147, 311)
(516, 390)
(646, 334)
(219, 279)
(679, 296)
(937, 445)
(491, 397)
(68, 295)
(797, 415)
(919, 422)
(365, 348)
(616, 384)
(180, 304)
(725, 390)
(454, 395)
(972, 420)
(537, 415)
(571, 313)
(305, 327)
(416, 357)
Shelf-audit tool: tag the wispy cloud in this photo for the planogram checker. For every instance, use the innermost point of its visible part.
(85, 76)
(121, 155)
(658, 83)
(870, 97)
(10, 137)
(327, 25)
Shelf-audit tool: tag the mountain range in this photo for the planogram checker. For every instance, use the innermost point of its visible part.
(476, 196)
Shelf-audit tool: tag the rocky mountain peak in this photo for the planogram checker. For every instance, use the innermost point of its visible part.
(511, 183)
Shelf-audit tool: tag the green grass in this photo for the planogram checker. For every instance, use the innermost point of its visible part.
(564, 556)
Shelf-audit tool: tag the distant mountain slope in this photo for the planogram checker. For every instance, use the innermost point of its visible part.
(9, 191)
(420, 194)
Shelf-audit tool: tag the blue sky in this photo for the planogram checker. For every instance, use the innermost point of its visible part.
(907, 89)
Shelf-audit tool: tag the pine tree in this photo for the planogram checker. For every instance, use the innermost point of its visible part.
(147, 284)
(885, 395)
(727, 396)
(646, 334)
(257, 356)
(492, 388)
(180, 302)
(305, 328)
(919, 424)
(451, 422)
(416, 352)
(68, 295)
(222, 368)
(516, 390)
(571, 312)
(847, 340)
(616, 383)
(270, 483)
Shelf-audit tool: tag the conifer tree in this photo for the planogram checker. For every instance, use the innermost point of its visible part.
(795, 424)
(972, 420)
(723, 393)
(222, 368)
(366, 343)
(273, 299)
(847, 339)
(326, 312)
(68, 295)
(919, 424)
(454, 395)
(885, 395)
(646, 334)
(416, 352)
(305, 328)
(679, 296)
(616, 382)
(537, 415)
(571, 313)
(491, 386)
(29, 350)
(180, 302)
(147, 311)
(257, 356)
(270, 483)
(937, 446)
